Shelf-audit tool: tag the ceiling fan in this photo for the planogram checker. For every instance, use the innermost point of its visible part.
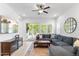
(41, 8)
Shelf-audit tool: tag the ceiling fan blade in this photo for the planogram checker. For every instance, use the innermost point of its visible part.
(45, 12)
(35, 10)
(46, 7)
(38, 5)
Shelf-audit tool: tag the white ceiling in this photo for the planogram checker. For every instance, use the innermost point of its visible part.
(56, 9)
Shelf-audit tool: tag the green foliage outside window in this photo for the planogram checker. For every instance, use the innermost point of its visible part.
(35, 28)
(43, 28)
(39, 28)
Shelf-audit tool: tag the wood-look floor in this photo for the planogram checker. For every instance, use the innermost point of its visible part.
(40, 52)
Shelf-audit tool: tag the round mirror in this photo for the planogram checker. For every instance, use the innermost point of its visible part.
(70, 25)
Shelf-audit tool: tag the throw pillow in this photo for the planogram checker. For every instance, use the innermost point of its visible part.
(40, 36)
(76, 43)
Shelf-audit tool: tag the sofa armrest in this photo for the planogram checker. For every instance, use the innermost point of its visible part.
(77, 51)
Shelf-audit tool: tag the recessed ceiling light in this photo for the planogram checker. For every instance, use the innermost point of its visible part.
(18, 17)
(55, 15)
(23, 15)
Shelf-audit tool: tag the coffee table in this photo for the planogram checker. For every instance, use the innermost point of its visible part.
(41, 43)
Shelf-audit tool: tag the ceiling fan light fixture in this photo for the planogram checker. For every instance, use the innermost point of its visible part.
(41, 8)
(40, 11)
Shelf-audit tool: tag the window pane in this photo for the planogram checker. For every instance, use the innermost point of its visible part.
(39, 28)
(4, 27)
(49, 28)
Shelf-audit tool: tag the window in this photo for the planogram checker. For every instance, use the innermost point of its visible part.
(44, 28)
(49, 28)
(7, 25)
(4, 27)
(38, 28)
(15, 27)
(33, 28)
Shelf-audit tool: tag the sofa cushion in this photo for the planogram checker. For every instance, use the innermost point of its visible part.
(53, 41)
(53, 36)
(68, 40)
(69, 48)
(61, 43)
(40, 36)
(56, 36)
(59, 37)
(37, 37)
(46, 35)
(59, 51)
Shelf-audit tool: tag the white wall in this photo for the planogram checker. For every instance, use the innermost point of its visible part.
(7, 11)
(22, 23)
(73, 12)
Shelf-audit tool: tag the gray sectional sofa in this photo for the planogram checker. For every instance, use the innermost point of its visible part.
(62, 46)
(60, 40)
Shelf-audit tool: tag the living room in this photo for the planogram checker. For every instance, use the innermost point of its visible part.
(46, 30)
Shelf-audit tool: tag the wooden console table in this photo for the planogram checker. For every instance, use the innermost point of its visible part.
(9, 46)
